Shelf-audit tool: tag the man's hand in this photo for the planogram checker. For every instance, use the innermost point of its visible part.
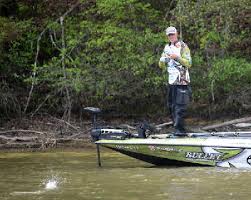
(173, 56)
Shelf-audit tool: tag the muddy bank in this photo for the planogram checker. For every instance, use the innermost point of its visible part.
(42, 133)
(47, 133)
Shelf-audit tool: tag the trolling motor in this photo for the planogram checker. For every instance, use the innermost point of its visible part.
(98, 133)
(94, 112)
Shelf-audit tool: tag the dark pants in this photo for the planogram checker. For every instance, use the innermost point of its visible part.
(178, 99)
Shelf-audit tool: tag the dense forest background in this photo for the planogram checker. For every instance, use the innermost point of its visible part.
(58, 56)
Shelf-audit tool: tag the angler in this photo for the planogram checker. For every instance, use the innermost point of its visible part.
(177, 59)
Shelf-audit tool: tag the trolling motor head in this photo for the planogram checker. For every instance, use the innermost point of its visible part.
(94, 112)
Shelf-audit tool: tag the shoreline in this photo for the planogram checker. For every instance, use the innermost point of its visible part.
(43, 134)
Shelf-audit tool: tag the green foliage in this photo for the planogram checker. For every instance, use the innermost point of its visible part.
(8, 31)
(215, 25)
(9, 102)
(17, 59)
(229, 75)
(21, 51)
(109, 60)
(108, 55)
(200, 80)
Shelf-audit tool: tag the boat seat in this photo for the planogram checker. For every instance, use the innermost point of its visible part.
(93, 110)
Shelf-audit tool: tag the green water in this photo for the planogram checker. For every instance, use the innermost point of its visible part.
(75, 176)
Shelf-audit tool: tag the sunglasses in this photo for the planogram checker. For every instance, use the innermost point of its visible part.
(171, 34)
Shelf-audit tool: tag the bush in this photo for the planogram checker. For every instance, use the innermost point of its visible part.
(229, 78)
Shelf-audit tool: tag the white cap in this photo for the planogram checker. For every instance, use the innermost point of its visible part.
(171, 30)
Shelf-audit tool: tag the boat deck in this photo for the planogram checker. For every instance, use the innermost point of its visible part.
(198, 140)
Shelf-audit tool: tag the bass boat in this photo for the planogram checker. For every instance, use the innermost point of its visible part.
(222, 149)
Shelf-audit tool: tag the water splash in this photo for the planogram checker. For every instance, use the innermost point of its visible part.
(53, 181)
(51, 185)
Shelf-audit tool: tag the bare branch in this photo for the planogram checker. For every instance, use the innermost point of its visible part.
(34, 73)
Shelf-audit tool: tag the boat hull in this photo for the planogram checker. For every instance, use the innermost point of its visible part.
(229, 152)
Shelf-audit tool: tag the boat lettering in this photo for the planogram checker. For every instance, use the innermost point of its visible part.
(154, 148)
(204, 156)
(126, 147)
(249, 160)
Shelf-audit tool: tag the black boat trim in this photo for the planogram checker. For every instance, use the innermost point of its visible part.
(154, 159)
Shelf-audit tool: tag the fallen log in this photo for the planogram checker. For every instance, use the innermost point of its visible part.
(18, 139)
(227, 123)
(243, 125)
(164, 124)
(25, 131)
(158, 127)
(27, 145)
(127, 126)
